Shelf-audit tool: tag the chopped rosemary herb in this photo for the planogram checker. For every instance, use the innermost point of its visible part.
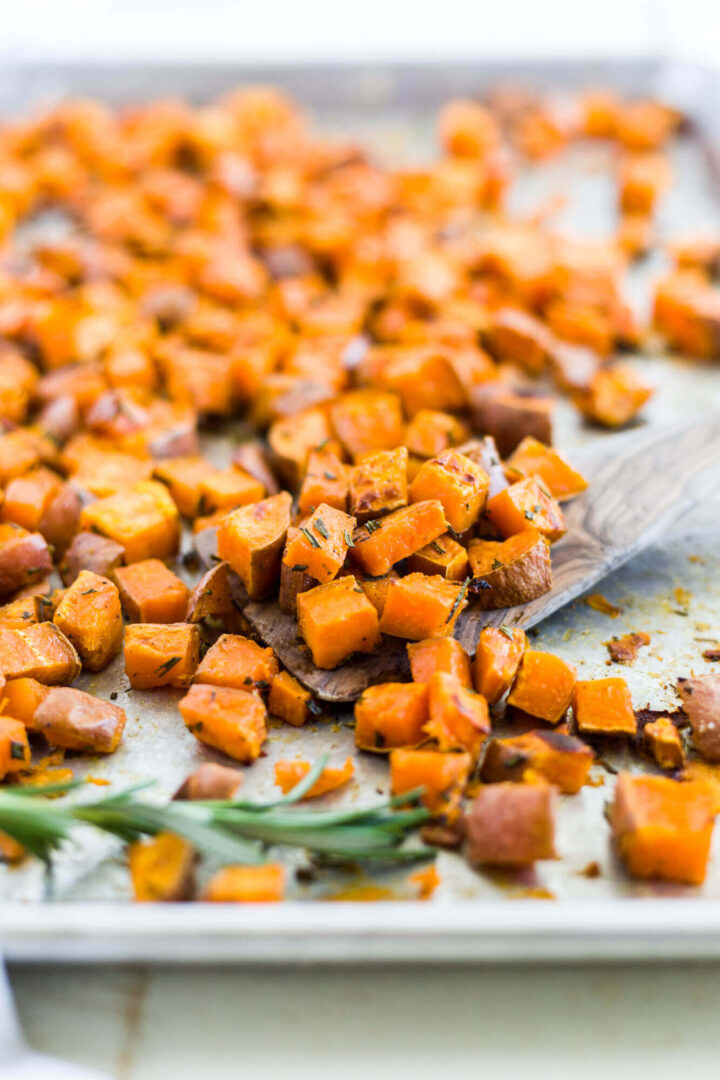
(321, 527)
(506, 631)
(168, 665)
(437, 547)
(372, 525)
(458, 600)
(329, 475)
(348, 539)
(313, 540)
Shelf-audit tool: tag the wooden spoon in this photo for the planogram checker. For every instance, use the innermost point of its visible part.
(639, 483)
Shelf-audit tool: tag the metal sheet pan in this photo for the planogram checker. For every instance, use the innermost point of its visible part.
(470, 917)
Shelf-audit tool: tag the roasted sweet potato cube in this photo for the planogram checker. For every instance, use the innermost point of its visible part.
(18, 614)
(289, 700)
(228, 719)
(288, 775)
(515, 335)
(237, 661)
(79, 721)
(246, 885)
(511, 825)
(438, 654)
(375, 588)
(467, 129)
(603, 707)
(320, 545)
(292, 439)
(543, 686)
(337, 620)
(444, 556)
(24, 558)
(458, 717)
(381, 544)
(150, 593)
(211, 781)
(28, 497)
(431, 432)
(559, 759)
(213, 597)
(425, 378)
(524, 506)
(367, 420)
(251, 539)
(144, 520)
(159, 654)
(443, 777)
(615, 395)
(379, 484)
(294, 579)
(184, 477)
(533, 458)
(512, 572)
(662, 828)
(88, 551)
(225, 489)
(642, 179)
(325, 481)
(420, 606)
(391, 715)
(497, 659)
(90, 617)
(687, 312)
(14, 747)
(701, 701)
(18, 454)
(510, 415)
(457, 483)
(663, 741)
(162, 869)
(61, 519)
(20, 698)
(41, 652)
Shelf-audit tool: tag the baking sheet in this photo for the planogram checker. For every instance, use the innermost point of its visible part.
(603, 916)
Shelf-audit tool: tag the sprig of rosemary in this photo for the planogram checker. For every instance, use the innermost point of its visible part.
(233, 830)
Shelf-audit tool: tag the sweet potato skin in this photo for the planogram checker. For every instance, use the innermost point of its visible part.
(78, 721)
(458, 717)
(497, 659)
(519, 570)
(701, 701)
(511, 824)
(24, 557)
(211, 781)
(41, 652)
(88, 551)
(251, 540)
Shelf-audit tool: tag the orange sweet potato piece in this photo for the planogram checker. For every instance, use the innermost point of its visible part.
(443, 776)
(61, 520)
(225, 489)
(686, 311)
(391, 715)
(79, 721)
(497, 659)
(559, 759)
(90, 617)
(320, 545)
(543, 686)
(378, 484)
(367, 420)
(509, 416)
(237, 661)
(289, 700)
(294, 578)
(642, 179)
(28, 497)
(162, 869)
(246, 884)
(18, 454)
(421, 606)
(431, 432)
(644, 124)
(24, 558)
(458, 717)
(212, 597)
(424, 378)
(615, 395)
(41, 652)
(524, 505)
(251, 539)
(662, 828)
(184, 477)
(161, 654)
(439, 654)
(663, 741)
(512, 572)
(144, 520)
(150, 593)
(18, 614)
(515, 335)
(290, 773)
(14, 748)
(228, 719)
(701, 701)
(379, 545)
(444, 556)
(211, 781)
(20, 698)
(336, 620)
(88, 551)
(511, 825)
(467, 129)
(291, 440)
(325, 481)
(376, 588)
(533, 458)
(603, 707)
(457, 483)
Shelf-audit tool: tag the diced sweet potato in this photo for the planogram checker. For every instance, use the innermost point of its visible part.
(18, 614)
(512, 572)
(159, 654)
(211, 781)
(41, 652)
(78, 721)
(444, 556)
(524, 505)
(509, 416)
(289, 700)
(237, 661)
(88, 551)
(28, 497)
(425, 378)
(615, 395)
(18, 454)
(251, 539)
(14, 747)
(367, 420)
(701, 701)
(543, 686)
(603, 707)
(61, 520)
(162, 869)
(144, 520)
(420, 606)
(458, 717)
(444, 654)
(150, 593)
(184, 477)
(511, 825)
(320, 545)
(246, 884)
(484, 453)
(642, 179)
(325, 481)
(252, 457)
(226, 489)
(431, 432)
(228, 719)
(663, 742)
(443, 777)
(467, 129)
(559, 759)
(379, 545)
(289, 773)
(515, 335)
(20, 698)
(379, 484)
(533, 458)
(497, 659)
(90, 617)
(337, 620)
(24, 558)
(457, 483)
(294, 579)
(662, 828)
(293, 438)
(391, 715)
